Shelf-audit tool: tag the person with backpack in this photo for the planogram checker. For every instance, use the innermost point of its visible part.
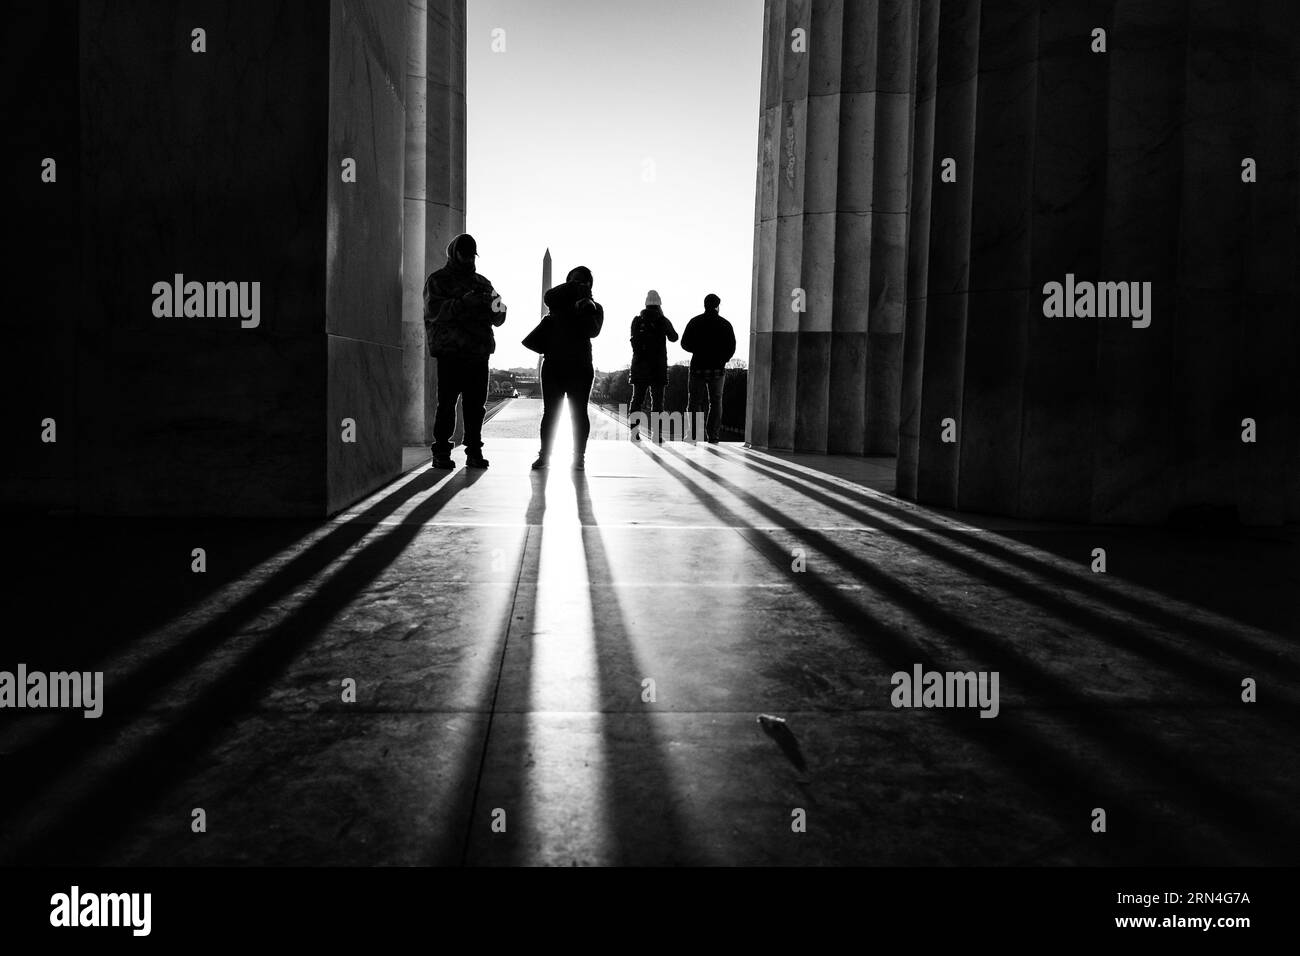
(712, 342)
(460, 311)
(564, 338)
(649, 371)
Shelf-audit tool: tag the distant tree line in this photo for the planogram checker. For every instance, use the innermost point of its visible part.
(614, 389)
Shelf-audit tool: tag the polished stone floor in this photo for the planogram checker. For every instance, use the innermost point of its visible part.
(566, 668)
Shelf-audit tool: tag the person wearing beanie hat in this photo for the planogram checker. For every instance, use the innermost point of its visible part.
(460, 311)
(649, 371)
(573, 319)
(712, 342)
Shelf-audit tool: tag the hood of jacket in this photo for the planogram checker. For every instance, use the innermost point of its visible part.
(463, 241)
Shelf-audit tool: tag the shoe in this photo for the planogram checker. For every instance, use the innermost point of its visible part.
(476, 461)
(540, 463)
(579, 463)
(442, 461)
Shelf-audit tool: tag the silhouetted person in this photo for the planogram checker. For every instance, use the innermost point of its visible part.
(460, 310)
(649, 371)
(573, 321)
(712, 342)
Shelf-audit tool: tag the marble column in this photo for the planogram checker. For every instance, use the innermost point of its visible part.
(791, 72)
(812, 85)
(849, 245)
(1239, 260)
(923, 164)
(762, 307)
(444, 153)
(1069, 188)
(999, 298)
(213, 165)
(895, 33)
(943, 336)
(233, 165)
(414, 207)
(363, 248)
(831, 225)
(1133, 471)
(985, 149)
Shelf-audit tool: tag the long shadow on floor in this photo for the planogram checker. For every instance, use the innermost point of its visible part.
(133, 691)
(77, 826)
(1044, 761)
(87, 587)
(512, 781)
(638, 774)
(1035, 585)
(873, 506)
(633, 766)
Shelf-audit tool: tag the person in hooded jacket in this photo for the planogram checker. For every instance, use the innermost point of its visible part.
(573, 320)
(460, 311)
(649, 371)
(712, 342)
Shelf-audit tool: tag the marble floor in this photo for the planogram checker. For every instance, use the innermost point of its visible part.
(562, 668)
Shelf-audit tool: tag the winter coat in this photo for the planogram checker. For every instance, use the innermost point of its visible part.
(649, 349)
(570, 326)
(455, 325)
(710, 340)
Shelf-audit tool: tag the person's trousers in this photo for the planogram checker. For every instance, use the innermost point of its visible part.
(643, 394)
(704, 394)
(464, 377)
(566, 379)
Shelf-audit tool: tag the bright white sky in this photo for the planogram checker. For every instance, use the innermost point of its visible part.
(562, 130)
